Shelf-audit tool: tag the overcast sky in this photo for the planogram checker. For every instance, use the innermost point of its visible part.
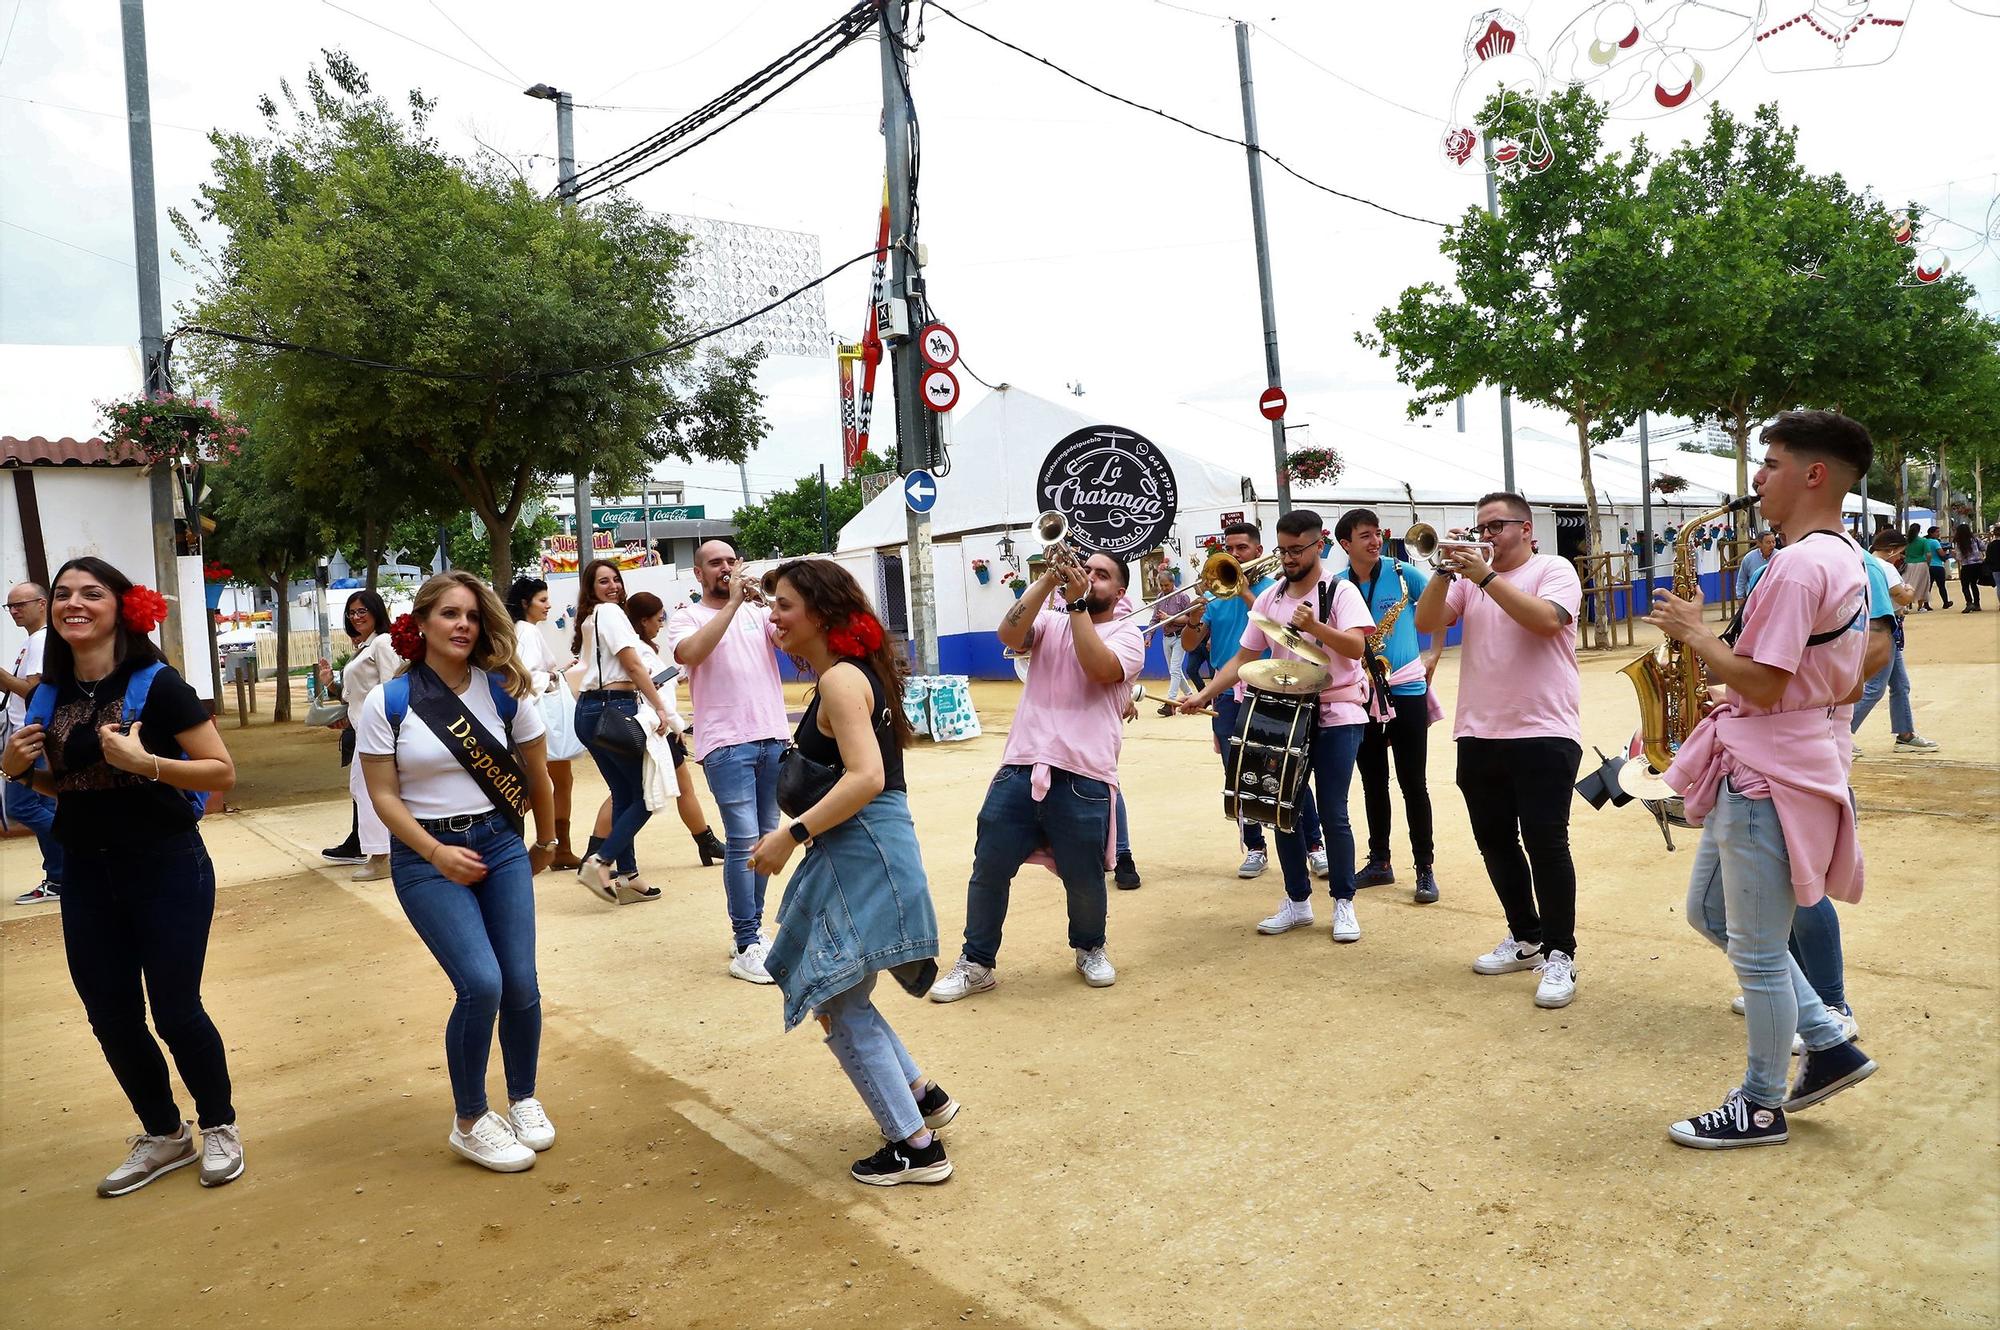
(1071, 238)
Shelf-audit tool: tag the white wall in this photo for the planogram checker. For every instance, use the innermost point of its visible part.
(103, 511)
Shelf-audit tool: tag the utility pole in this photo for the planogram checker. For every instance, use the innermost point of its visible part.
(1271, 376)
(1461, 413)
(1646, 507)
(566, 191)
(913, 426)
(825, 516)
(152, 346)
(1506, 398)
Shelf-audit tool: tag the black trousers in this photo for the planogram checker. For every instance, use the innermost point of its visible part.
(135, 929)
(1405, 736)
(1517, 796)
(1970, 575)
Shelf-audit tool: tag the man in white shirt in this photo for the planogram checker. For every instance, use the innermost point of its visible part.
(740, 731)
(28, 603)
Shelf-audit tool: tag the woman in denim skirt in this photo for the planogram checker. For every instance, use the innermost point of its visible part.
(859, 903)
(463, 874)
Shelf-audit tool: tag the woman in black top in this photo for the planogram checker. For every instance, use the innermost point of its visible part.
(859, 903)
(138, 888)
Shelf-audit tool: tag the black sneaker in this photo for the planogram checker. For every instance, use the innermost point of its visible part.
(1427, 887)
(1127, 874)
(898, 1162)
(937, 1107)
(1736, 1124)
(1376, 873)
(1825, 1073)
(347, 852)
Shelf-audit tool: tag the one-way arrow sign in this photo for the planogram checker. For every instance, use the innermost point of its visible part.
(920, 491)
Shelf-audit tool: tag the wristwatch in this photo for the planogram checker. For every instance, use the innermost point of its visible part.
(1077, 606)
(1488, 578)
(799, 833)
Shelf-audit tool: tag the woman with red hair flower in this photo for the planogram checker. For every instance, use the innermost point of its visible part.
(859, 902)
(128, 752)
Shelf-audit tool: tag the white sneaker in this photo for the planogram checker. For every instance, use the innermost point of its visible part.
(1857, 750)
(374, 870)
(1095, 967)
(1292, 914)
(1736, 1004)
(965, 979)
(1316, 861)
(531, 1124)
(1508, 957)
(492, 1144)
(1254, 864)
(1558, 986)
(1346, 928)
(1916, 743)
(221, 1155)
(1848, 1025)
(749, 964)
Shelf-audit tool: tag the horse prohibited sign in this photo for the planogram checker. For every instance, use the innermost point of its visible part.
(1117, 490)
(1271, 405)
(938, 345)
(939, 388)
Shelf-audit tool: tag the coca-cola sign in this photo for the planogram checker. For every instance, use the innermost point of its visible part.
(1115, 487)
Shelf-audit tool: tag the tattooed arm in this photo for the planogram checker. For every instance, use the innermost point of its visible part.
(1017, 626)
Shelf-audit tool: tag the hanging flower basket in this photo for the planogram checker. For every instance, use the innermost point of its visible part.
(982, 571)
(1019, 586)
(1669, 484)
(166, 427)
(1313, 466)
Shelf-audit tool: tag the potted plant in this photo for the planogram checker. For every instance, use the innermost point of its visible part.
(982, 571)
(187, 434)
(1313, 466)
(214, 577)
(1670, 483)
(1019, 586)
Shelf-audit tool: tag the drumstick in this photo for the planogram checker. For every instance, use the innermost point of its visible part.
(1154, 697)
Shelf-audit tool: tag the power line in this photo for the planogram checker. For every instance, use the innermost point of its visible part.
(444, 55)
(1267, 155)
(475, 41)
(94, 253)
(1338, 77)
(85, 110)
(8, 44)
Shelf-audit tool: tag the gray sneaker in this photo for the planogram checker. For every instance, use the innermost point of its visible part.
(1913, 743)
(151, 1157)
(1253, 865)
(1095, 967)
(221, 1155)
(965, 979)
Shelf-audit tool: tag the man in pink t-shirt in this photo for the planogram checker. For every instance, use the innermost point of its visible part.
(1765, 774)
(1326, 608)
(1058, 777)
(1518, 732)
(739, 731)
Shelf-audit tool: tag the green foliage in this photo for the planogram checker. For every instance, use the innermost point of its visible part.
(350, 229)
(789, 521)
(470, 542)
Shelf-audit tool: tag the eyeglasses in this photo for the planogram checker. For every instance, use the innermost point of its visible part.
(1493, 528)
(1297, 551)
(17, 605)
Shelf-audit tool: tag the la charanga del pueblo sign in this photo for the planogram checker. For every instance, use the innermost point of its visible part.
(610, 519)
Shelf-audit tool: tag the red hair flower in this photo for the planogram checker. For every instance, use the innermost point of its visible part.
(143, 609)
(862, 636)
(406, 637)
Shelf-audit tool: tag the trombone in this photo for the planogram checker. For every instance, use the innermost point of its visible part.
(1222, 578)
(1422, 540)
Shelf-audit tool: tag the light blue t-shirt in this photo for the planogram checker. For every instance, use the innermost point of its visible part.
(1879, 576)
(1226, 619)
(1391, 578)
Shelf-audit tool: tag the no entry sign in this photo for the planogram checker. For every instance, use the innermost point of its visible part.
(1272, 404)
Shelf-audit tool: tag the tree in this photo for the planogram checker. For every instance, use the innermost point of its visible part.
(470, 544)
(351, 231)
(789, 521)
(1555, 297)
(261, 530)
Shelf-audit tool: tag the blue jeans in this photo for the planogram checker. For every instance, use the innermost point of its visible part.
(624, 773)
(483, 937)
(1895, 678)
(744, 780)
(36, 812)
(1124, 828)
(1333, 751)
(874, 1059)
(1740, 898)
(1012, 826)
(1228, 712)
(1816, 947)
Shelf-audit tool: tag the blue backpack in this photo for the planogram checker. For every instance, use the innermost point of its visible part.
(396, 702)
(42, 709)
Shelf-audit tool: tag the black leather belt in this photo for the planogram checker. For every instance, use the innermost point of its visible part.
(456, 822)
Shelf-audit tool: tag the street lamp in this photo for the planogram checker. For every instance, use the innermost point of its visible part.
(565, 190)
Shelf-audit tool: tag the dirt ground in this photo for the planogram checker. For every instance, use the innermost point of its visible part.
(1244, 1131)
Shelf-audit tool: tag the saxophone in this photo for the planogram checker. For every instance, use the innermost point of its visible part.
(1670, 679)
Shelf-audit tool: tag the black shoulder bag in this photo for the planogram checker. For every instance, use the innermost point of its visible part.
(617, 734)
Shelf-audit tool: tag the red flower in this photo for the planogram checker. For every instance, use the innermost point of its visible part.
(143, 609)
(406, 637)
(862, 635)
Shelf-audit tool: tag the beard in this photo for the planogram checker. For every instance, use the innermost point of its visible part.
(1294, 578)
(1099, 603)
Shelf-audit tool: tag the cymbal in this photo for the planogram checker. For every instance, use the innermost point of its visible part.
(1640, 781)
(1290, 638)
(1291, 677)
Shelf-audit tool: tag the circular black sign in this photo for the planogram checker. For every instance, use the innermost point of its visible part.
(1114, 486)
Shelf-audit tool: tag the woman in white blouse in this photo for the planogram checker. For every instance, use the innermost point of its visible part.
(528, 606)
(373, 664)
(613, 682)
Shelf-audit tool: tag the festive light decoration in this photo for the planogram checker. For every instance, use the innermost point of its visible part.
(1497, 60)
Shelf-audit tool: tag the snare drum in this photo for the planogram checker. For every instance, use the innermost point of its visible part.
(1270, 754)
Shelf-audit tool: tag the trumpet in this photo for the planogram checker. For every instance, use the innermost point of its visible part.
(758, 591)
(1222, 578)
(1422, 540)
(1061, 556)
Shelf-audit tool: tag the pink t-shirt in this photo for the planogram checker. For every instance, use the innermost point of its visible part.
(736, 692)
(1064, 720)
(1513, 683)
(1347, 610)
(1815, 586)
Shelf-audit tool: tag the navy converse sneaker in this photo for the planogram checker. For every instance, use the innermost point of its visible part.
(898, 1162)
(1737, 1123)
(1825, 1073)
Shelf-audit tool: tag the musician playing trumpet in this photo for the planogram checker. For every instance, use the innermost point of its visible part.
(1331, 613)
